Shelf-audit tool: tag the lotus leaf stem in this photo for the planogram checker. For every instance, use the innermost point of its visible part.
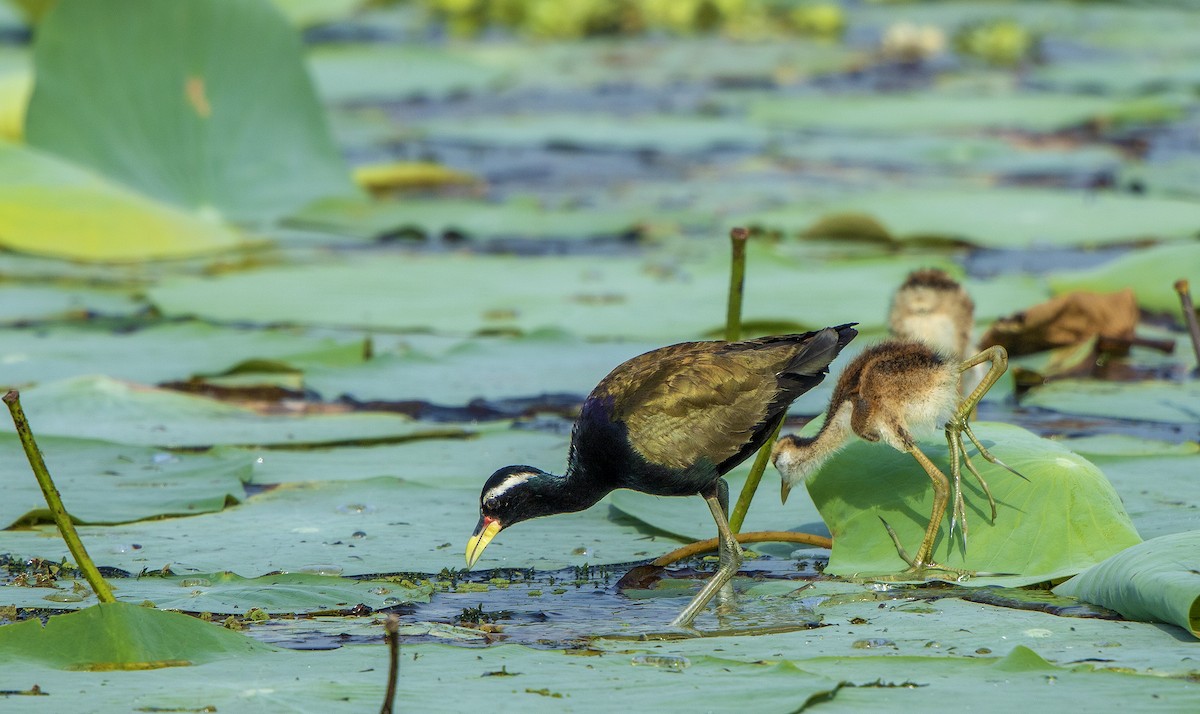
(61, 518)
(1189, 315)
(705, 546)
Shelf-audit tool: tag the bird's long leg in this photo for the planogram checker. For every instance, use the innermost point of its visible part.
(731, 560)
(959, 425)
(941, 492)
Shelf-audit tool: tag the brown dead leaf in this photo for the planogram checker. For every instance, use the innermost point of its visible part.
(1067, 320)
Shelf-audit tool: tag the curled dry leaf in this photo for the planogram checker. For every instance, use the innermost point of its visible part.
(1068, 320)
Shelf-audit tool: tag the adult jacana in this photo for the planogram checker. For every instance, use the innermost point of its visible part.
(670, 422)
(896, 392)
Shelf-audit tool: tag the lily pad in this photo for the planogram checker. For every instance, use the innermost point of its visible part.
(1065, 518)
(52, 207)
(498, 368)
(156, 354)
(1159, 491)
(122, 636)
(1156, 581)
(227, 594)
(1007, 218)
(311, 527)
(473, 219)
(110, 483)
(1173, 402)
(602, 133)
(942, 112)
(457, 463)
(378, 73)
(1151, 273)
(214, 110)
(672, 299)
(102, 408)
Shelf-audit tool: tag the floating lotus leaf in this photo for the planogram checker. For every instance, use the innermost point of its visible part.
(1151, 272)
(1149, 401)
(102, 408)
(1065, 518)
(204, 104)
(122, 636)
(1156, 581)
(111, 483)
(53, 207)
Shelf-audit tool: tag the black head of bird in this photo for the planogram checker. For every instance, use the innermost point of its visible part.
(670, 422)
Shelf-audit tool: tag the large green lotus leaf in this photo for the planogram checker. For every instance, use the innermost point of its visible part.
(458, 463)
(1174, 402)
(656, 299)
(1160, 491)
(600, 132)
(103, 408)
(1151, 272)
(1116, 445)
(52, 207)
(945, 628)
(1119, 75)
(651, 62)
(436, 677)
(474, 219)
(1065, 518)
(306, 13)
(110, 483)
(122, 636)
(499, 368)
(1007, 218)
(393, 72)
(929, 152)
(21, 303)
(892, 113)
(637, 676)
(1173, 176)
(311, 527)
(174, 351)
(227, 594)
(1155, 581)
(201, 103)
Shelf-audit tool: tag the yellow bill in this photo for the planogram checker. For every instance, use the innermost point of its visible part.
(484, 533)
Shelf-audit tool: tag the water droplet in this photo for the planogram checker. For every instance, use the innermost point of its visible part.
(873, 643)
(259, 460)
(983, 650)
(379, 590)
(163, 457)
(64, 596)
(195, 583)
(122, 548)
(1038, 632)
(355, 508)
(322, 569)
(358, 534)
(391, 601)
(663, 661)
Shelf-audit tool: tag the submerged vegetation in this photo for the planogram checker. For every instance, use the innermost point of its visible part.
(282, 282)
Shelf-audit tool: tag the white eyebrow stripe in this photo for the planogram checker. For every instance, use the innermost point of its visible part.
(507, 484)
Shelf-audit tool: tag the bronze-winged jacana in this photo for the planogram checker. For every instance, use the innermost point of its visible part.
(670, 422)
(932, 307)
(894, 392)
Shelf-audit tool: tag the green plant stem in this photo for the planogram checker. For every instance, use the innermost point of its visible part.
(61, 518)
(1189, 315)
(738, 515)
(391, 627)
(737, 279)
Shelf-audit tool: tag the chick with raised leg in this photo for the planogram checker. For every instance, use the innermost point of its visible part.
(896, 392)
